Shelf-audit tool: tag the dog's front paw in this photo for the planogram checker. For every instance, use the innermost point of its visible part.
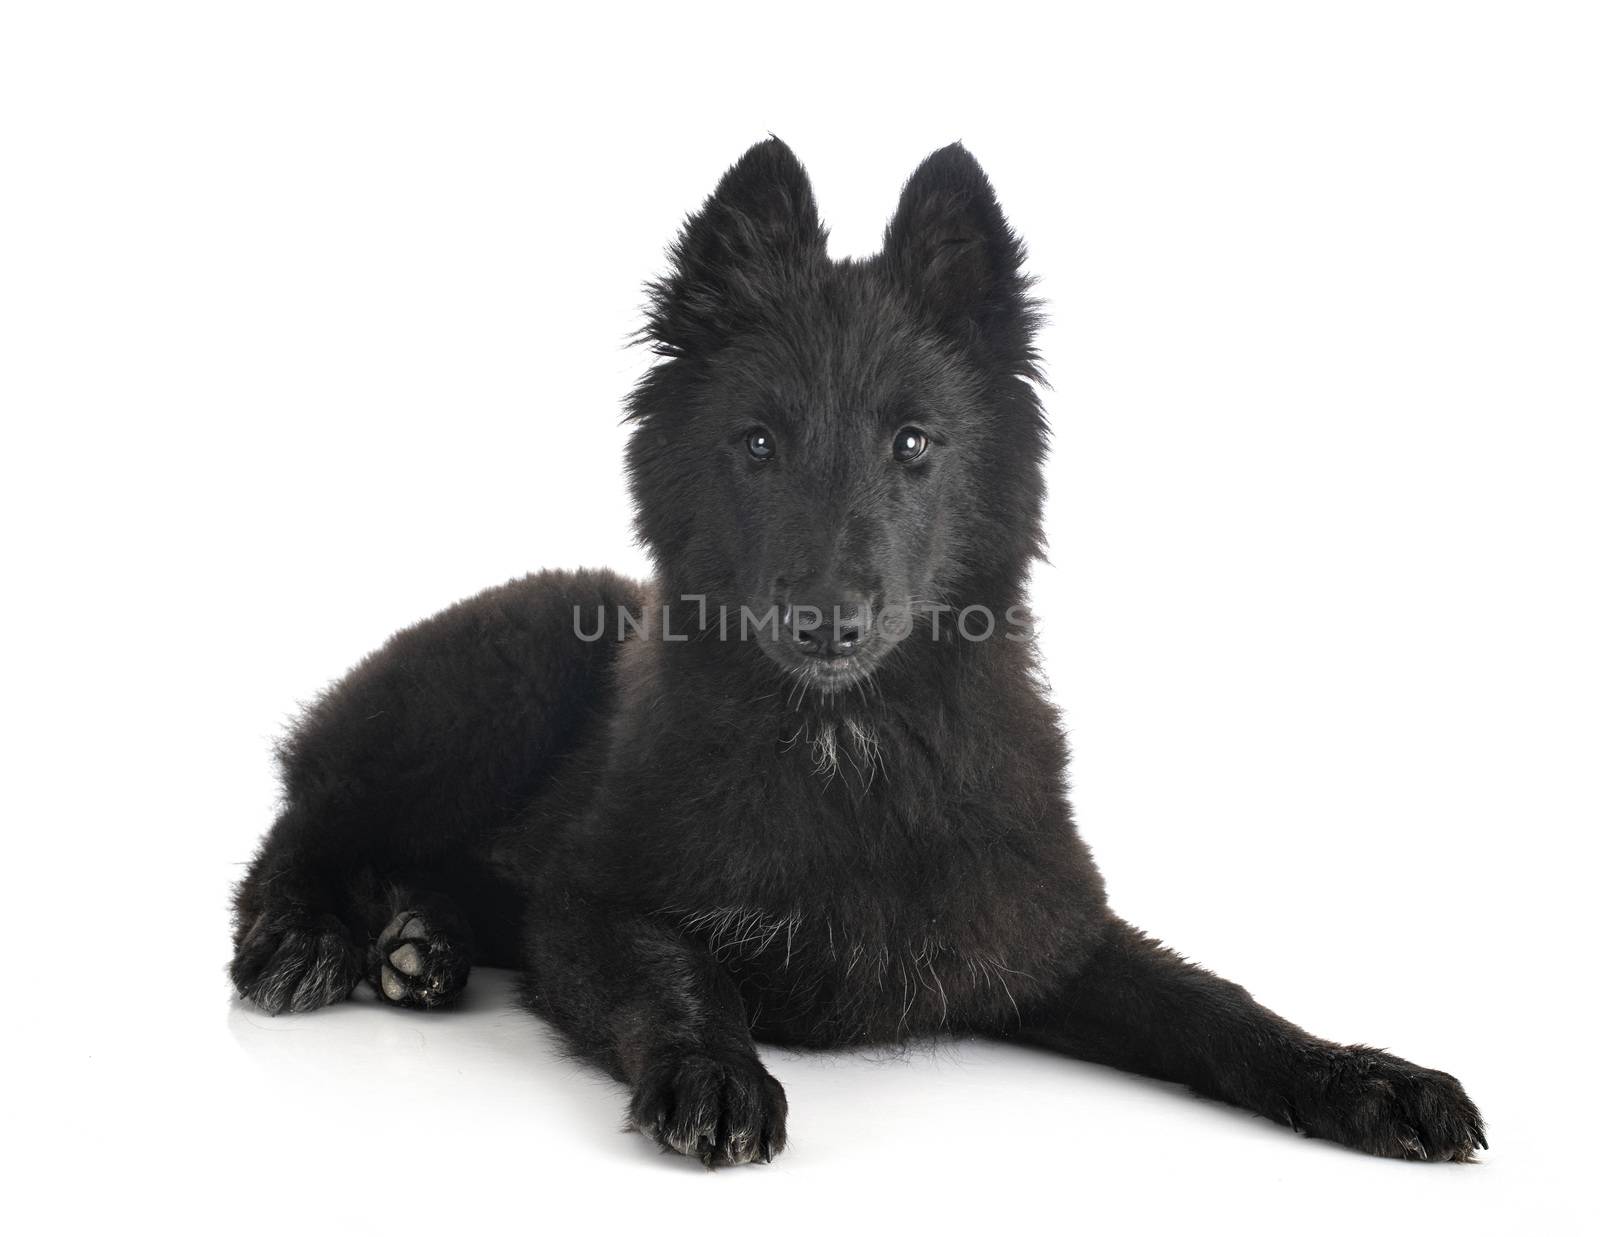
(719, 1109)
(293, 960)
(1383, 1105)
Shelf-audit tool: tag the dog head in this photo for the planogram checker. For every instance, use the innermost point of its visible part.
(830, 445)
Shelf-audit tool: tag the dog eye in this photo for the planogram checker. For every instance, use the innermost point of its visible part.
(759, 443)
(909, 443)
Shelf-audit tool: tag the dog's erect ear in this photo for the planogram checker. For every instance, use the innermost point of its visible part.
(759, 227)
(951, 248)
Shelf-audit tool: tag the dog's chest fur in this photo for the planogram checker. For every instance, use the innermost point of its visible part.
(890, 896)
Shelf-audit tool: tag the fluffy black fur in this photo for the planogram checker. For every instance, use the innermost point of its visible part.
(818, 835)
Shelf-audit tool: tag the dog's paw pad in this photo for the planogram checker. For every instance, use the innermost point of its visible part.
(392, 987)
(421, 960)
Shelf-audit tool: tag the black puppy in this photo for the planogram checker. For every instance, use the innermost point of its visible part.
(803, 788)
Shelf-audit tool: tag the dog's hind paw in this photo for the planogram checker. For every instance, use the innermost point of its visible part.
(296, 961)
(1383, 1105)
(719, 1109)
(421, 959)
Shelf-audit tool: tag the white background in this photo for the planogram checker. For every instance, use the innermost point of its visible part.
(312, 320)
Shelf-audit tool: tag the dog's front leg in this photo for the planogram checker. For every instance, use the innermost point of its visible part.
(1140, 1007)
(661, 1015)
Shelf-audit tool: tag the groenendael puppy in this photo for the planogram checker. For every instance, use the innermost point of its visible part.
(804, 787)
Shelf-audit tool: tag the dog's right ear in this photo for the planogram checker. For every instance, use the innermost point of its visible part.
(757, 229)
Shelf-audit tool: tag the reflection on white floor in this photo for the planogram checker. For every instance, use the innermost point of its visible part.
(360, 1117)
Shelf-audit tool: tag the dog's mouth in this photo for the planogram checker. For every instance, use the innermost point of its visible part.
(822, 673)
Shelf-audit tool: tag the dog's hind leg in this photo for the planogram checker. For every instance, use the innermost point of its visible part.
(308, 933)
(325, 905)
(398, 782)
(294, 945)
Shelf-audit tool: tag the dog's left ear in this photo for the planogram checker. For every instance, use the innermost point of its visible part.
(950, 247)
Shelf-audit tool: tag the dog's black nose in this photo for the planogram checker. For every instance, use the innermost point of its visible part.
(826, 624)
